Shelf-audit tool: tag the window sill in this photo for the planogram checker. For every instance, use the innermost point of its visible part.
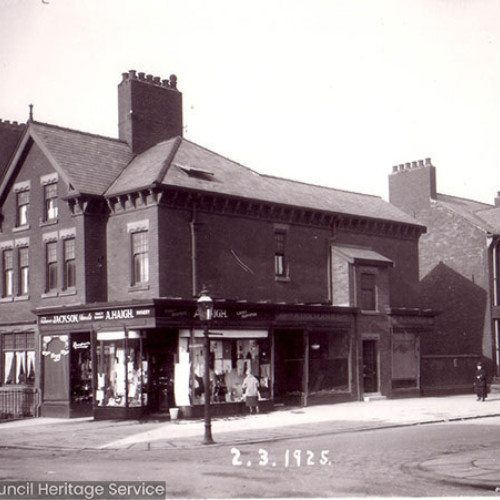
(138, 288)
(21, 298)
(370, 313)
(49, 295)
(48, 222)
(18, 229)
(6, 299)
(68, 291)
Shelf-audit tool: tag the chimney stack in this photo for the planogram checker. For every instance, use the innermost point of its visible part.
(412, 186)
(497, 199)
(149, 110)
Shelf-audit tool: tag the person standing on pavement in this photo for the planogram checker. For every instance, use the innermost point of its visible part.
(480, 383)
(250, 388)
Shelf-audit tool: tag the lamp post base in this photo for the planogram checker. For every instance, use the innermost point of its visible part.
(207, 438)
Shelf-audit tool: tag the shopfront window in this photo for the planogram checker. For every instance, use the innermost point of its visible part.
(121, 370)
(18, 352)
(81, 369)
(405, 360)
(230, 360)
(328, 362)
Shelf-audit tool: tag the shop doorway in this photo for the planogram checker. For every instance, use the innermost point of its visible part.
(370, 366)
(161, 353)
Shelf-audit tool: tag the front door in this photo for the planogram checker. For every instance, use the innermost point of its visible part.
(370, 366)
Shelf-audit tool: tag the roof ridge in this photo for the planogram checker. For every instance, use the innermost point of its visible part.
(67, 129)
(320, 186)
(487, 205)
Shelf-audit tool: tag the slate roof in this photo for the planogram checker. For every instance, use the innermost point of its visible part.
(91, 162)
(10, 135)
(482, 215)
(181, 163)
(98, 165)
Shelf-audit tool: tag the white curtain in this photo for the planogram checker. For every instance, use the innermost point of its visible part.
(20, 365)
(31, 364)
(9, 358)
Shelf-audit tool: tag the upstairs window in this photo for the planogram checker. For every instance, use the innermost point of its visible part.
(51, 266)
(69, 263)
(24, 268)
(280, 264)
(8, 272)
(23, 201)
(368, 289)
(50, 201)
(140, 258)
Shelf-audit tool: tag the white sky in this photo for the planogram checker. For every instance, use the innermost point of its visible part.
(331, 92)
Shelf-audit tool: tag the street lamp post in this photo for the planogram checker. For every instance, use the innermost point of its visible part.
(205, 310)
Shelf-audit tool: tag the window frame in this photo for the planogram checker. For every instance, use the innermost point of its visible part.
(281, 265)
(372, 289)
(69, 263)
(7, 272)
(51, 267)
(50, 196)
(19, 342)
(22, 207)
(139, 258)
(23, 271)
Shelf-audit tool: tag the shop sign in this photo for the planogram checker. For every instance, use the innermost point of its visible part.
(59, 348)
(104, 315)
(306, 316)
(81, 345)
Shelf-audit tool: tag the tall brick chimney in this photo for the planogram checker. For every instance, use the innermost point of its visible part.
(412, 186)
(149, 110)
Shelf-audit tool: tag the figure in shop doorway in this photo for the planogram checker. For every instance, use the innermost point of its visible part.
(480, 383)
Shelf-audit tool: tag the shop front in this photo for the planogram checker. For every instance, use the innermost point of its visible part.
(128, 361)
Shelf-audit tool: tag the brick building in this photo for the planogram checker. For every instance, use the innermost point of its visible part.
(459, 277)
(106, 244)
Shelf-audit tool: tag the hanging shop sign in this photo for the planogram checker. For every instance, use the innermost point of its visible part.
(123, 313)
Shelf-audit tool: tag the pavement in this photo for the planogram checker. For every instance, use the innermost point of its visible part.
(479, 468)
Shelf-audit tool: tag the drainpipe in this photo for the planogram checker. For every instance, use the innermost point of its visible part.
(194, 255)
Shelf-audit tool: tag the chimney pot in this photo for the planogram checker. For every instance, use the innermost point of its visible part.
(157, 80)
(149, 78)
(394, 168)
(407, 165)
(132, 74)
(164, 83)
(124, 76)
(173, 82)
(413, 164)
(420, 163)
(142, 76)
(401, 167)
(428, 162)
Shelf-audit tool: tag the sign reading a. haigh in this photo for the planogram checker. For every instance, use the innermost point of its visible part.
(100, 315)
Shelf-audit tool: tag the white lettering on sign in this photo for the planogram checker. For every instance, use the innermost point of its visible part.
(65, 319)
(120, 314)
(220, 314)
(81, 345)
(142, 312)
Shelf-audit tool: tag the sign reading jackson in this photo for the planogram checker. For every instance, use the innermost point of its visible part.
(104, 315)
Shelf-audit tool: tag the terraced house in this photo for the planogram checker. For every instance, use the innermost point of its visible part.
(106, 244)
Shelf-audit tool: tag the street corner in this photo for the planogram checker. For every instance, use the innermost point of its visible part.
(479, 469)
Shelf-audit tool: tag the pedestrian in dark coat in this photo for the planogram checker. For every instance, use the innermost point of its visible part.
(480, 383)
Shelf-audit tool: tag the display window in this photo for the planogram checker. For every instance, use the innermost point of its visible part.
(230, 360)
(329, 354)
(121, 370)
